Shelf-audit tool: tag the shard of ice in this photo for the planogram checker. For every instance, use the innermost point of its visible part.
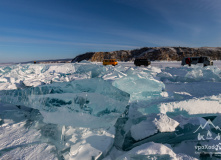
(140, 85)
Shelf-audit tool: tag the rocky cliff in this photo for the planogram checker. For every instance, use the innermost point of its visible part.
(152, 53)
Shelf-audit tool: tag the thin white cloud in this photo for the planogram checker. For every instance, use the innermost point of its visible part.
(19, 40)
(36, 33)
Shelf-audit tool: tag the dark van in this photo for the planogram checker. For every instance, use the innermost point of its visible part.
(206, 61)
(139, 62)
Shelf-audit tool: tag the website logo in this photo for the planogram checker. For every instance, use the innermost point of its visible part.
(209, 139)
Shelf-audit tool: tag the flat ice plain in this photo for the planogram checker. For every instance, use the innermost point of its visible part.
(90, 111)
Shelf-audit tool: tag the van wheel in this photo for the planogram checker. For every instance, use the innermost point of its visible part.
(113, 65)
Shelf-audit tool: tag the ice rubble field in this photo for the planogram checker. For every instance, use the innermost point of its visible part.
(89, 111)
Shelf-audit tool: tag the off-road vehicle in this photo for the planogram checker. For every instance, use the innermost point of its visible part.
(139, 62)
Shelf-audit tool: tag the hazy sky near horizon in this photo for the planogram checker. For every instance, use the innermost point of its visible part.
(53, 29)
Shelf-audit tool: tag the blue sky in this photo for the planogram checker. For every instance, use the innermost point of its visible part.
(52, 29)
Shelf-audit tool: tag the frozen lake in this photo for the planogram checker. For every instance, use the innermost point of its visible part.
(90, 111)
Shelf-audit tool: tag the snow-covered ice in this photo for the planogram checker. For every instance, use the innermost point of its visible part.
(90, 111)
(153, 124)
(151, 151)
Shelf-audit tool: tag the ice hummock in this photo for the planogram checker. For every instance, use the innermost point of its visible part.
(82, 103)
(193, 74)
